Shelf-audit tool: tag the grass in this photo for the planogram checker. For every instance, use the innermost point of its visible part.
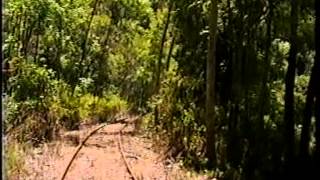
(14, 162)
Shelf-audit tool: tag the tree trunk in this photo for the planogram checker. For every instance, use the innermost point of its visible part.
(264, 97)
(22, 33)
(28, 36)
(210, 85)
(159, 64)
(84, 43)
(59, 42)
(18, 34)
(11, 30)
(317, 133)
(37, 41)
(289, 87)
(310, 100)
(104, 44)
(317, 86)
(170, 52)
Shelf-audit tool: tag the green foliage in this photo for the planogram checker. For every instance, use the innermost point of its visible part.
(88, 60)
(28, 109)
(101, 109)
(11, 113)
(32, 83)
(181, 118)
(106, 108)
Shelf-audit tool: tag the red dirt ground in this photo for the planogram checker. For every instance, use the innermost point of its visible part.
(100, 158)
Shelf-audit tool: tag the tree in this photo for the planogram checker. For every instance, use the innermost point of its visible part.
(159, 64)
(312, 103)
(211, 80)
(289, 86)
(161, 56)
(85, 39)
(316, 74)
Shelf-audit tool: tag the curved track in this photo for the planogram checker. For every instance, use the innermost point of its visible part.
(112, 152)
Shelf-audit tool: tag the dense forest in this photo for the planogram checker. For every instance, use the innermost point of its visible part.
(233, 86)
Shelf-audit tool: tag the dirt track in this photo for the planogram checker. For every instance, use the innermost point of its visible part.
(100, 158)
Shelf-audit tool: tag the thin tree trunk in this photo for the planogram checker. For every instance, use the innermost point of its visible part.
(84, 43)
(310, 100)
(13, 30)
(159, 64)
(59, 44)
(17, 45)
(8, 21)
(37, 41)
(103, 45)
(264, 88)
(27, 38)
(170, 52)
(22, 32)
(317, 133)
(317, 87)
(210, 85)
(289, 87)
(233, 145)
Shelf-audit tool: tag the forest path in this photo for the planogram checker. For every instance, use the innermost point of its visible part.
(100, 158)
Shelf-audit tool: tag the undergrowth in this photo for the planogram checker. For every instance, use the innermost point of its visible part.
(14, 154)
(39, 105)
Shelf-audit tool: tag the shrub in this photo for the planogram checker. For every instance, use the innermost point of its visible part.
(180, 116)
(40, 104)
(32, 82)
(10, 113)
(105, 108)
(28, 114)
(88, 108)
(65, 108)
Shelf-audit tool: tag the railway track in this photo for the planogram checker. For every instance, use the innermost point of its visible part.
(128, 167)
